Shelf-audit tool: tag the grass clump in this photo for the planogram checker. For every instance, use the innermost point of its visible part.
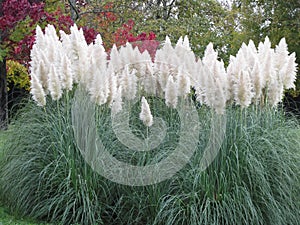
(42, 173)
(253, 180)
(7, 219)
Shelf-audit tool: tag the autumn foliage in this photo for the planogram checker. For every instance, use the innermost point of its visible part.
(20, 18)
(18, 25)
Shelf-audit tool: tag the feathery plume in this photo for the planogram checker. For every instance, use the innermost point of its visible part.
(66, 74)
(183, 83)
(115, 59)
(281, 54)
(171, 93)
(243, 91)
(37, 91)
(145, 114)
(54, 84)
(99, 89)
(117, 102)
(149, 81)
(210, 55)
(40, 38)
(42, 73)
(129, 83)
(214, 94)
(198, 81)
(275, 90)
(113, 89)
(219, 103)
(289, 72)
(256, 77)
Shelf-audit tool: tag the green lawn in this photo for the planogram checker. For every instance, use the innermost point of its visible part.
(7, 219)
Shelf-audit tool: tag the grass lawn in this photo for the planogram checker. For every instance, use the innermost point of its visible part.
(7, 219)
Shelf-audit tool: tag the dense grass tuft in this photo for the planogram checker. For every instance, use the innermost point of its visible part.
(253, 180)
(42, 173)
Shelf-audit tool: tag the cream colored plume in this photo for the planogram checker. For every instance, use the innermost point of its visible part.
(145, 114)
(171, 94)
(253, 74)
(37, 91)
(54, 84)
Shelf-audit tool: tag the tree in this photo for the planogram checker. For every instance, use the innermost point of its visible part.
(203, 21)
(275, 19)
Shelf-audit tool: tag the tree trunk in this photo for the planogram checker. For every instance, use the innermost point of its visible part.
(74, 11)
(3, 88)
(3, 96)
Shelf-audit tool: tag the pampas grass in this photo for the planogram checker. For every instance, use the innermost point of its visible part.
(253, 180)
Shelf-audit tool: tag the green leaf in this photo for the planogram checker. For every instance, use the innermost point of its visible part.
(3, 53)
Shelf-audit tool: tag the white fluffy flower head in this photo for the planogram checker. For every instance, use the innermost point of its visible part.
(145, 114)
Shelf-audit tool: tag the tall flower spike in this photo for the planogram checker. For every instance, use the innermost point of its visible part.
(223, 79)
(171, 93)
(98, 59)
(179, 44)
(251, 54)
(289, 72)
(113, 89)
(115, 59)
(78, 54)
(281, 54)
(168, 42)
(98, 40)
(167, 51)
(186, 43)
(117, 102)
(149, 81)
(199, 80)
(40, 38)
(268, 66)
(163, 75)
(54, 84)
(209, 55)
(84, 63)
(220, 97)
(275, 91)
(50, 32)
(183, 83)
(42, 73)
(37, 91)
(35, 54)
(66, 74)
(127, 54)
(210, 88)
(99, 89)
(256, 76)
(145, 114)
(252, 46)
(244, 93)
(129, 83)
